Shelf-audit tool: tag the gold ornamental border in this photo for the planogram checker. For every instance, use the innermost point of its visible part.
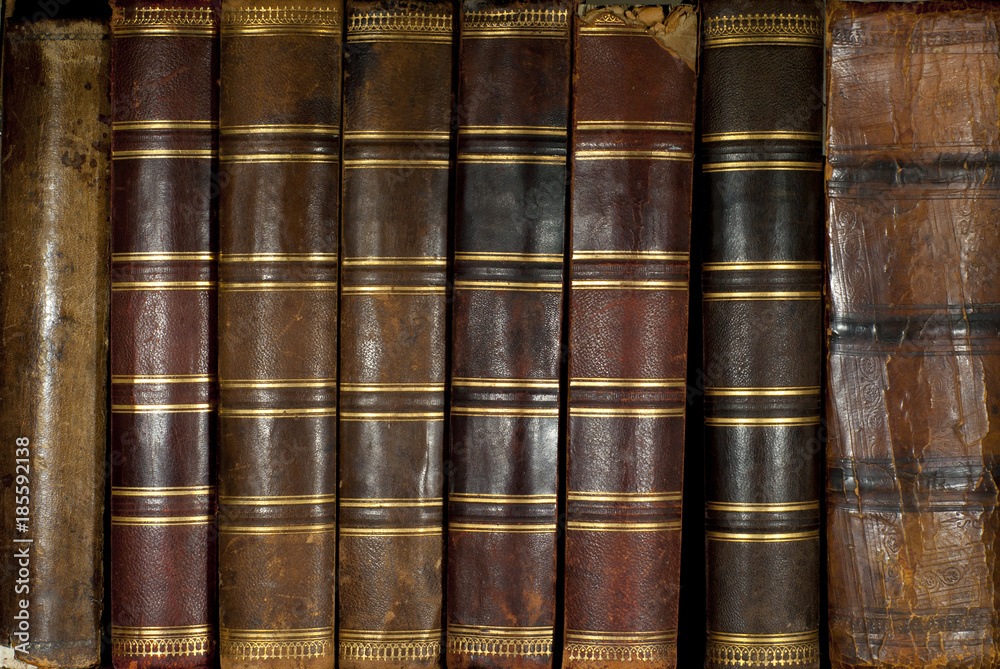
(763, 29)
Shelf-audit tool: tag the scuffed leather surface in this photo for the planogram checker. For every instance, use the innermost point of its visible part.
(913, 365)
(626, 583)
(54, 243)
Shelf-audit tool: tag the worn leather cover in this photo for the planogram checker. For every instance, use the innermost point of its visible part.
(762, 168)
(397, 132)
(513, 99)
(632, 154)
(54, 244)
(914, 365)
(163, 338)
(279, 162)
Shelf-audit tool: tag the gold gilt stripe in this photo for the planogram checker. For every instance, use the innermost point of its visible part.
(281, 129)
(160, 256)
(637, 412)
(391, 531)
(162, 521)
(410, 36)
(617, 526)
(143, 632)
(146, 154)
(775, 135)
(158, 379)
(380, 635)
(504, 412)
(501, 159)
(763, 538)
(765, 265)
(509, 257)
(166, 30)
(750, 296)
(635, 125)
(562, 33)
(597, 382)
(501, 630)
(279, 413)
(776, 391)
(514, 286)
(392, 135)
(594, 284)
(776, 40)
(320, 528)
(277, 257)
(467, 382)
(545, 131)
(506, 528)
(627, 497)
(470, 498)
(276, 286)
(276, 500)
(763, 165)
(394, 261)
(164, 491)
(800, 637)
(279, 383)
(267, 635)
(392, 387)
(162, 285)
(376, 416)
(278, 158)
(368, 163)
(160, 408)
(164, 125)
(600, 635)
(791, 421)
(394, 290)
(747, 507)
(394, 503)
(632, 155)
(630, 255)
(281, 31)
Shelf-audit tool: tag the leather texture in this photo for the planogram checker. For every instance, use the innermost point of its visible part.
(279, 163)
(761, 162)
(510, 228)
(54, 244)
(394, 307)
(913, 364)
(632, 157)
(163, 335)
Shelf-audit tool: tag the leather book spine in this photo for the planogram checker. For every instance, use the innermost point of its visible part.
(914, 314)
(762, 174)
(397, 154)
(163, 335)
(510, 227)
(279, 163)
(54, 245)
(633, 137)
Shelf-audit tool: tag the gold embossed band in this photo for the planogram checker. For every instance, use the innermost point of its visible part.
(591, 646)
(179, 641)
(399, 27)
(386, 646)
(763, 30)
(763, 650)
(523, 23)
(500, 641)
(164, 22)
(281, 21)
(246, 644)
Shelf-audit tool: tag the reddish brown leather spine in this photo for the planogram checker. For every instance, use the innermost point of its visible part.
(163, 335)
(633, 137)
(914, 365)
(54, 243)
(514, 71)
(397, 120)
(279, 156)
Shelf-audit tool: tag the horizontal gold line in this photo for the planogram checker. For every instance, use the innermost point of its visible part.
(277, 286)
(164, 125)
(468, 33)
(374, 416)
(397, 134)
(762, 392)
(632, 155)
(394, 290)
(279, 31)
(141, 379)
(763, 165)
(161, 408)
(629, 497)
(279, 383)
(637, 412)
(738, 507)
(273, 635)
(775, 537)
(791, 421)
(390, 531)
(514, 286)
(635, 125)
(388, 635)
(145, 632)
(501, 412)
(387, 162)
(164, 521)
(611, 526)
(509, 257)
(801, 637)
(277, 257)
(525, 159)
(527, 528)
(631, 255)
(614, 637)
(434, 261)
(166, 31)
(470, 498)
(466, 382)
(278, 413)
(163, 256)
(775, 135)
(143, 154)
(764, 265)
(165, 491)
(284, 529)
(264, 158)
(592, 382)
(280, 129)
(392, 387)
(594, 284)
(763, 295)
(499, 632)
(546, 131)
(775, 40)
(402, 36)
(162, 285)
(276, 500)
(386, 503)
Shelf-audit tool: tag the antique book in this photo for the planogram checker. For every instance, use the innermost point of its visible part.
(510, 228)
(397, 145)
(163, 336)
(279, 165)
(54, 241)
(630, 240)
(914, 362)
(762, 172)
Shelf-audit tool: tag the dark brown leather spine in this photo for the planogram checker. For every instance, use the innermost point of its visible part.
(914, 364)
(633, 137)
(279, 161)
(54, 244)
(513, 99)
(397, 131)
(163, 339)
(762, 165)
